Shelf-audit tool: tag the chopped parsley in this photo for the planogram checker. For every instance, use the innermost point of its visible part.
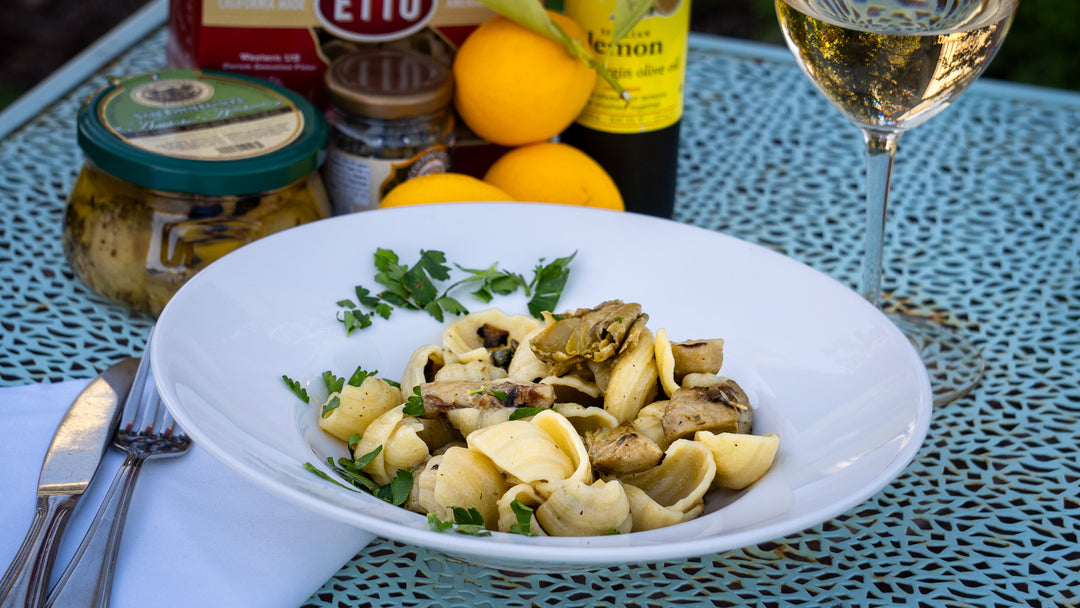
(523, 516)
(331, 404)
(525, 412)
(396, 492)
(466, 521)
(500, 395)
(414, 406)
(297, 388)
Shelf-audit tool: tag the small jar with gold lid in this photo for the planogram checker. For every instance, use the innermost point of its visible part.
(182, 167)
(390, 121)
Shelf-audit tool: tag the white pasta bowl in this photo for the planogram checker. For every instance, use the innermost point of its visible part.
(828, 373)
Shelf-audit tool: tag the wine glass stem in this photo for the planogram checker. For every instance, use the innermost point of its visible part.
(880, 151)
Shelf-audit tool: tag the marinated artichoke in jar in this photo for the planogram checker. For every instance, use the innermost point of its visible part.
(137, 246)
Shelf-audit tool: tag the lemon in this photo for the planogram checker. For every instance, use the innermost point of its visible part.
(513, 86)
(442, 188)
(550, 172)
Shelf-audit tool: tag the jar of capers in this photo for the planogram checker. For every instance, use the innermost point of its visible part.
(390, 121)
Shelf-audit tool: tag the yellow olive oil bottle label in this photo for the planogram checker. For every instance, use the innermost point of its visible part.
(649, 63)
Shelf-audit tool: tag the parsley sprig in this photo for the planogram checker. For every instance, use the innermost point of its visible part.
(333, 383)
(416, 287)
(350, 470)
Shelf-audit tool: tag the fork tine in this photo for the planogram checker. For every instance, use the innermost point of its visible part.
(169, 426)
(150, 411)
(131, 418)
(136, 417)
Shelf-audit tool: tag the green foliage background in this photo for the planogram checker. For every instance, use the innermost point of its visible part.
(1042, 47)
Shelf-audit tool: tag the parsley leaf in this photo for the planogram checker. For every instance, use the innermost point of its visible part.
(332, 382)
(360, 375)
(492, 281)
(466, 521)
(500, 395)
(523, 516)
(366, 299)
(331, 404)
(525, 412)
(547, 285)
(438, 525)
(297, 388)
(366, 459)
(347, 470)
(396, 492)
(415, 404)
(354, 439)
(353, 320)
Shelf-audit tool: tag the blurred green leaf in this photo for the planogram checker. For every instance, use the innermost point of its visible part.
(627, 14)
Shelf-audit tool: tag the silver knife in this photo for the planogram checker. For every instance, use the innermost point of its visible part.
(73, 456)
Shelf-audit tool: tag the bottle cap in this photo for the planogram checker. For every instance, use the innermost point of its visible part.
(388, 83)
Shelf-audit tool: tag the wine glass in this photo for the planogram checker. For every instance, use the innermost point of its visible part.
(889, 65)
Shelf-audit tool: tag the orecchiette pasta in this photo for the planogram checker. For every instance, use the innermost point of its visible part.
(677, 485)
(525, 495)
(472, 337)
(554, 428)
(633, 379)
(546, 451)
(579, 508)
(359, 406)
(399, 437)
(461, 477)
(424, 363)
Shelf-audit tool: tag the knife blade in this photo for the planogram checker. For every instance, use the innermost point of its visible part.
(73, 457)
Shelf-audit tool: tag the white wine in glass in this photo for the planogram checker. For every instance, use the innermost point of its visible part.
(889, 65)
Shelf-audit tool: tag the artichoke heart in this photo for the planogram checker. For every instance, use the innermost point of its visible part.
(697, 357)
(585, 335)
(622, 449)
(720, 408)
(442, 396)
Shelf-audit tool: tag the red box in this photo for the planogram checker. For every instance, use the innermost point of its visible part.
(290, 42)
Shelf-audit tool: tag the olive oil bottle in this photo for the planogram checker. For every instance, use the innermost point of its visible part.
(635, 140)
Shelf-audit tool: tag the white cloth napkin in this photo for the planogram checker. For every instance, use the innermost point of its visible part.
(197, 533)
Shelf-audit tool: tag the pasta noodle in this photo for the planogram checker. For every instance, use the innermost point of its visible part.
(461, 477)
(399, 437)
(583, 424)
(359, 406)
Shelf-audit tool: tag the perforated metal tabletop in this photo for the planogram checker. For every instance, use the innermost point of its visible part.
(983, 234)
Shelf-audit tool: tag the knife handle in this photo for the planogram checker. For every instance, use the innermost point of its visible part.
(24, 583)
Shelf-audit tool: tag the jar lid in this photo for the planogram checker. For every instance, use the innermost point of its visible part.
(388, 83)
(202, 132)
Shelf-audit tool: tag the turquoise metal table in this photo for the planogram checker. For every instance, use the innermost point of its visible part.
(984, 234)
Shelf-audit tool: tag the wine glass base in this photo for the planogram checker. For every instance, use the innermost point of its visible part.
(954, 364)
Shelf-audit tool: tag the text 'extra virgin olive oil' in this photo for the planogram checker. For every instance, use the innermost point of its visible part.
(637, 142)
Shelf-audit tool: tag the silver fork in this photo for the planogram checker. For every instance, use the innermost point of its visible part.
(146, 430)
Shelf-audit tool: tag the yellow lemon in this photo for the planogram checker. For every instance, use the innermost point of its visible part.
(513, 86)
(442, 188)
(551, 172)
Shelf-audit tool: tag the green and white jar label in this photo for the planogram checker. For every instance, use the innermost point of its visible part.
(190, 115)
